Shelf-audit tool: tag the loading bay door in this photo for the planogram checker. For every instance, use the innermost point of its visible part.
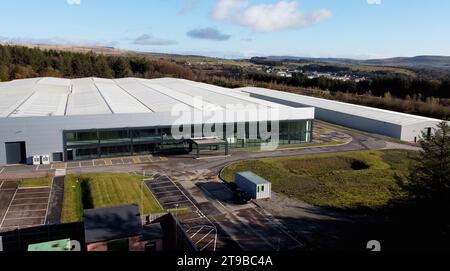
(15, 153)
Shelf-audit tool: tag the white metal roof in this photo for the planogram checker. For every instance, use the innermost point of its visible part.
(352, 109)
(49, 96)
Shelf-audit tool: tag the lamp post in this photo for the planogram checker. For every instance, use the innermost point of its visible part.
(176, 226)
(142, 194)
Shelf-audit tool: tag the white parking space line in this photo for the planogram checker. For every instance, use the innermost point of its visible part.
(172, 197)
(192, 205)
(1, 170)
(278, 226)
(27, 204)
(207, 245)
(159, 187)
(38, 217)
(172, 191)
(204, 236)
(7, 210)
(32, 198)
(38, 210)
(197, 232)
(176, 202)
(1, 183)
(192, 219)
(50, 193)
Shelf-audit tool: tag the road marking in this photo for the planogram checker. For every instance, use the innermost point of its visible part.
(1, 183)
(32, 198)
(37, 217)
(38, 210)
(278, 226)
(204, 236)
(171, 191)
(26, 204)
(207, 245)
(197, 232)
(175, 202)
(49, 195)
(32, 188)
(3, 220)
(198, 211)
(160, 187)
(192, 219)
(2, 170)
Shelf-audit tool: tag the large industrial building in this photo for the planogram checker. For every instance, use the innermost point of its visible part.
(397, 125)
(91, 118)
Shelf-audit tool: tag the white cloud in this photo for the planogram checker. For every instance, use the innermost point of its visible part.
(223, 8)
(148, 40)
(374, 2)
(73, 2)
(280, 16)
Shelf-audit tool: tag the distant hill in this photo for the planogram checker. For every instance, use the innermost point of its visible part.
(436, 62)
(417, 62)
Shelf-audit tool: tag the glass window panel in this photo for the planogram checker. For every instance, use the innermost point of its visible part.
(110, 151)
(114, 136)
(85, 153)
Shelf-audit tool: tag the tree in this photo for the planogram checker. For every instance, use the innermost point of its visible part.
(121, 67)
(4, 73)
(429, 180)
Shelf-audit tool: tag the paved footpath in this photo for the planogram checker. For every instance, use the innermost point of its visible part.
(56, 201)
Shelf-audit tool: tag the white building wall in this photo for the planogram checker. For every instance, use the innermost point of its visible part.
(267, 193)
(402, 131)
(414, 132)
(44, 135)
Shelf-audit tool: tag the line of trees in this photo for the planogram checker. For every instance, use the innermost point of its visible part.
(396, 85)
(18, 62)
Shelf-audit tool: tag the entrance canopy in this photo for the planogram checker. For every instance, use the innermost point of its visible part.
(209, 142)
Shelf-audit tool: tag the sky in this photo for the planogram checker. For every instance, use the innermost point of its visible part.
(360, 29)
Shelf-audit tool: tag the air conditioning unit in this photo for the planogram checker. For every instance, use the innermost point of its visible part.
(36, 160)
(45, 159)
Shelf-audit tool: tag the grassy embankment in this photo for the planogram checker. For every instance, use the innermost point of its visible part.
(41, 182)
(341, 181)
(97, 190)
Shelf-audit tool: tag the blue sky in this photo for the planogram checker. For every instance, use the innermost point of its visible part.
(237, 28)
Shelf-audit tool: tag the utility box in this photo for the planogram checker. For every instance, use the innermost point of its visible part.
(36, 159)
(45, 159)
(254, 185)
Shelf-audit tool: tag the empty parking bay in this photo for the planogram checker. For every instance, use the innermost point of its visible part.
(26, 207)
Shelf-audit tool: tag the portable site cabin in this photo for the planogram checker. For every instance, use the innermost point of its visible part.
(254, 185)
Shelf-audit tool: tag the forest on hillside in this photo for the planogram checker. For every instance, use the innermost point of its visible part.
(18, 62)
(394, 92)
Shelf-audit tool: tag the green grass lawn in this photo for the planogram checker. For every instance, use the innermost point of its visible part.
(295, 146)
(97, 190)
(41, 182)
(341, 181)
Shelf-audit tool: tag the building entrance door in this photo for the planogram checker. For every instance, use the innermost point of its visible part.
(16, 153)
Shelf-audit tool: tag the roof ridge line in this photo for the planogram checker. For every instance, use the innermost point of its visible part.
(163, 92)
(103, 97)
(139, 101)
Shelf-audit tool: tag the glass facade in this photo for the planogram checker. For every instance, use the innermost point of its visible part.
(101, 143)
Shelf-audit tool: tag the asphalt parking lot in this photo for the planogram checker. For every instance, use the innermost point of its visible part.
(204, 233)
(104, 162)
(168, 194)
(22, 207)
(252, 227)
